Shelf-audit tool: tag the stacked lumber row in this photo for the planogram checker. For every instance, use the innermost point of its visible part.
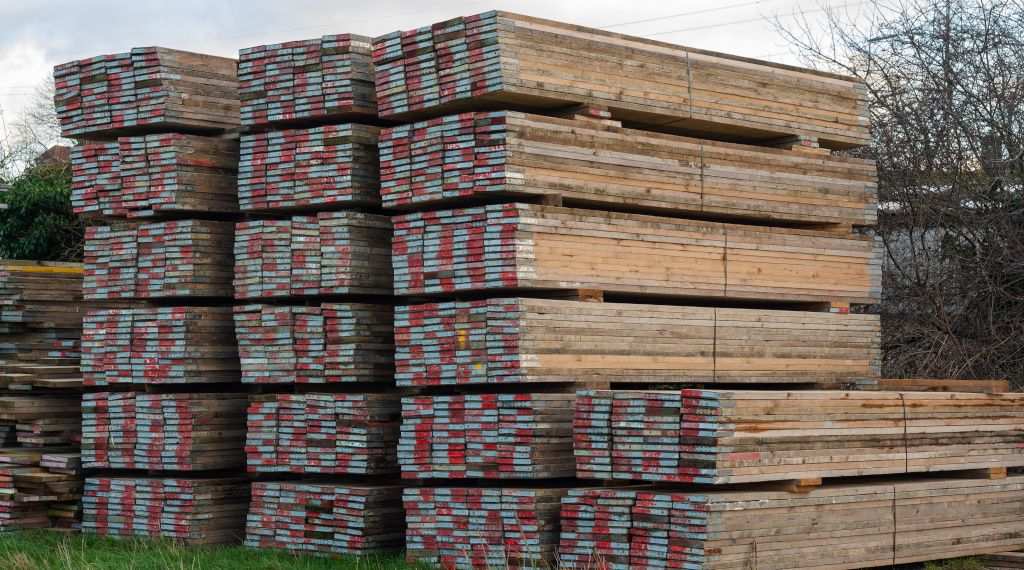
(327, 344)
(327, 519)
(40, 311)
(187, 258)
(319, 79)
(491, 436)
(505, 153)
(41, 421)
(39, 489)
(498, 59)
(52, 376)
(143, 176)
(323, 433)
(543, 247)
(170, 432)
(518, 340)
(159, 345)
(322, 167)
(332, 253)
(149, 88)
(188, 510)
(721, 437)
(839, 526)
(473, 527)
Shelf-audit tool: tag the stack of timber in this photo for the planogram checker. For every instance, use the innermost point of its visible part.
(722, 437)
(332, 253)
(40, 312)
(159, 345)
(855, 524)
(43, 420)
(159, 174)
(168, 432)
(490, 436)
(474, 527)
(1003, 561)
(506, 154)
(338, 434)
(528, 246)
(502, 60)
(328, 344)
(39, 488)
(200, 510)
(322, 167)
(326, 518)
(317, 80)
(186, 258)
(148, 89)
(519, 340)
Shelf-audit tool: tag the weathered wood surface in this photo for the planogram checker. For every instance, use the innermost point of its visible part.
(838, 526)
(39, 488)
(149, 89)
(525, 246)
(40, 312)
(504, 60)
(502, 154)
(329, 519)
(519, 340)
(723, 436)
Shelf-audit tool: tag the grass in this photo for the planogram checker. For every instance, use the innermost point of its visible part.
(41, 550)
(957, 564)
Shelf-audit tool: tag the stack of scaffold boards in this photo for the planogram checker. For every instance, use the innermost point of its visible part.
(314, 302)
(669, 232)
(40, 394)
(155, 174)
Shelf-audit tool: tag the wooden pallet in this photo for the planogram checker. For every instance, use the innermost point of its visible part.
(723, 436)
(525, 246)
(520, 340)
(503, 60)
(149, 89)
(322, 518)
(502, 155)
(846, 525)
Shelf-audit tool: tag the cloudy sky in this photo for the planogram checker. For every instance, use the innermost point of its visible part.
(37, 35)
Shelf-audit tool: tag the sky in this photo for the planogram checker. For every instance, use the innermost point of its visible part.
(39, 34)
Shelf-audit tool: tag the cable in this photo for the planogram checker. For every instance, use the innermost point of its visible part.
(691, 13)
(758, 19)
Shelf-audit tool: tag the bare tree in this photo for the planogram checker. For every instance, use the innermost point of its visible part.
(945, 89)
(25, 137)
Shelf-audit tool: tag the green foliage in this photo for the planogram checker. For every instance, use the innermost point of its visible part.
(43, 550)
(957, 564)
(38, 222)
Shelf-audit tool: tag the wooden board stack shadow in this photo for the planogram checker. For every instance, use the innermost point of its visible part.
(313, 302)
(155, 174)
(583, 209)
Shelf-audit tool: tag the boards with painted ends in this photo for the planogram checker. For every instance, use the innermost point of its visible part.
(502, 154)
(527, 246)
(523, 340)
(725, 436)
(504, 60)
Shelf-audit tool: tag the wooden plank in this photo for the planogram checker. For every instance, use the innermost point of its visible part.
(725, 436)
(943, 385)
(521, 340)
(498, 154)
(504, 60)
(524, 246)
